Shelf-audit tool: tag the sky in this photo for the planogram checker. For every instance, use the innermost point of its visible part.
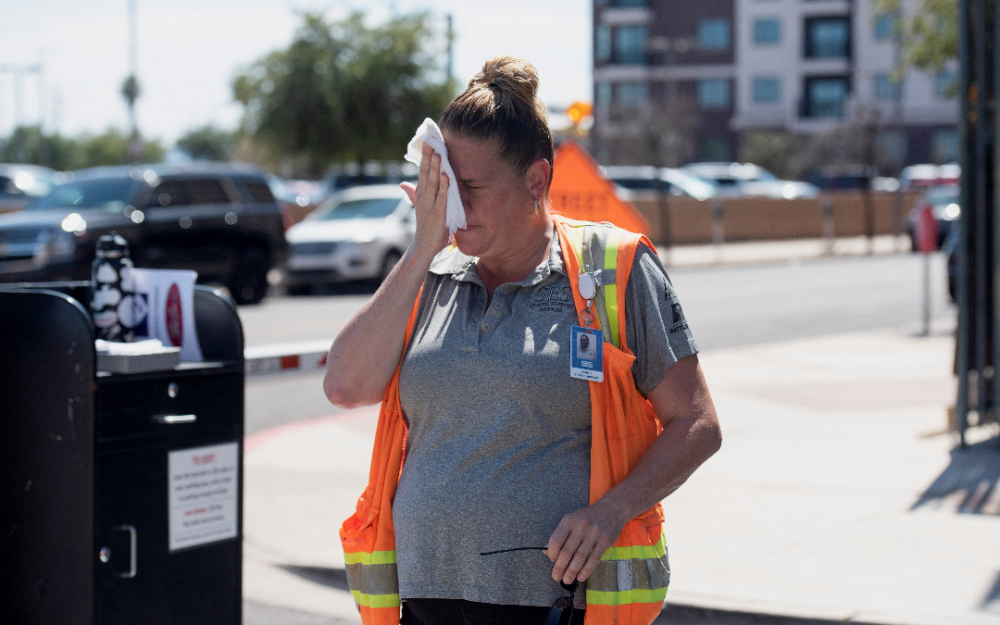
(189, 50)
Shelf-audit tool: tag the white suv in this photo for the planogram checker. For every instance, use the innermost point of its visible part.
(359, 233)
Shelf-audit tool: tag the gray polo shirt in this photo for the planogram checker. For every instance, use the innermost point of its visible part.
(498, 449)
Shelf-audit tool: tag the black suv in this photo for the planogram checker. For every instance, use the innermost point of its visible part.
(219, 220)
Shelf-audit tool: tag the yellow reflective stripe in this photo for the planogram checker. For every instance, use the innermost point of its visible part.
(622, 597)
(638, 552)
(611, 290)
(375, 601)
(368, 559)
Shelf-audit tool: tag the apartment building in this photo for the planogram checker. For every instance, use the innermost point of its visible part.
(678, 81)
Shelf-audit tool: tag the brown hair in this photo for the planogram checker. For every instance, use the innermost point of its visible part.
(501, 103)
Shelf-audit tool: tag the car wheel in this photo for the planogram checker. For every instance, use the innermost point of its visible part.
(249, 283)
(299, 289)
(388, 263)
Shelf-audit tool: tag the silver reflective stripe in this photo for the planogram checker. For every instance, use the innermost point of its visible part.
(593, 242)
(631, 574)
(373, 579)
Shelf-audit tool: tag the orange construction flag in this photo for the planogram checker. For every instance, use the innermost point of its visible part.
(579, 191)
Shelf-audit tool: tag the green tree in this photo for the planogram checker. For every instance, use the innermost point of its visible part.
(27, 144)
(928, 37)
(112, 148)
(345, 91)
(772, 150)
(208, 143)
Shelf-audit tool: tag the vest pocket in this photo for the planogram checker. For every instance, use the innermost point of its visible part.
(620, 394)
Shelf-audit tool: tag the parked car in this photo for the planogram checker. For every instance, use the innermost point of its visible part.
(782, 189)
(219, 220)
(944, 202)
(21, 184)
(359, 233)
(675, 182)
(740, 179)
(927, 175)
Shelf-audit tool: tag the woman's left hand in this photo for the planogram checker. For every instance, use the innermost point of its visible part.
(581, 539)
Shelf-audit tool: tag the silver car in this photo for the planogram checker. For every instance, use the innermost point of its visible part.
(359, 233)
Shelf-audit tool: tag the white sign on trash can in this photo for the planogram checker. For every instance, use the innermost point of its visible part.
(164, 309)
(203, 486)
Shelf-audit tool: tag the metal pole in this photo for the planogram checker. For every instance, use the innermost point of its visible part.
(18, 98)
(451, 48)
(927, 294)
(718, 229)
(967, 138)
(979, 259)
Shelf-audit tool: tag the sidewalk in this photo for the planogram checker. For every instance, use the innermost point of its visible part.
(734, 253)
(835, 496)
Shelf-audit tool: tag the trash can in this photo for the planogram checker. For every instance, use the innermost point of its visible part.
(120, 493)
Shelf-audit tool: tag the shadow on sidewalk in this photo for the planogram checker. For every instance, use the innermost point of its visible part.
(970, 483)
(333, 578)
(674, 614)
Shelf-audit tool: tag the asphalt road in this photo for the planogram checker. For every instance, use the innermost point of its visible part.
(726, 307)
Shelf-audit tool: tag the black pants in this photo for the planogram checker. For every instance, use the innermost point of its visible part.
(461, 612)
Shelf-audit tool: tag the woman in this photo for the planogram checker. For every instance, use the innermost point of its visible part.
(502, 445)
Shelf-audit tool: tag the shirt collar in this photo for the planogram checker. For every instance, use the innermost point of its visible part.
(463, 268)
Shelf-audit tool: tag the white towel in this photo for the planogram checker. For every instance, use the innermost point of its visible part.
(430, 134)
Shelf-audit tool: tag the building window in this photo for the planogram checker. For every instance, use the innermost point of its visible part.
(630, 44)
(825, 97)
(767, 31)
(886, 88)
(827, 38)
(944, 146)
(713, 34)
(713, 93)
(885, 26)
(602, 93)
(631, 94)
(767, 89)
(602, 42)
(945, 84)
(714, 148)
(891, 146)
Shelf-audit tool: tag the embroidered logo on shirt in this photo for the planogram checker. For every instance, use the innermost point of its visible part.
(679, 323)
(554, 299)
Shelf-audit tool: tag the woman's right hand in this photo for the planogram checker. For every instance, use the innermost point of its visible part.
(430, 199)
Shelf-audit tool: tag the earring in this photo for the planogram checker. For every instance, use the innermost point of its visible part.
(536, 208)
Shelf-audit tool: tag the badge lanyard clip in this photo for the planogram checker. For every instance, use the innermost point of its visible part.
(588, 289)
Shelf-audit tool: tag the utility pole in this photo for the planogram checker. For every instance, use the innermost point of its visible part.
(18, 72)
(451, 48)
(130, 89)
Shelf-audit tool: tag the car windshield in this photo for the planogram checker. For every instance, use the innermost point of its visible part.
(370, 208)
(111, 194)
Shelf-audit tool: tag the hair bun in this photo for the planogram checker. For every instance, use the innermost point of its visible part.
(510, 76)
(502, 103)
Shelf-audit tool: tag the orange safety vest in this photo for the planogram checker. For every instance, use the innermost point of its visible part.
(630, 582)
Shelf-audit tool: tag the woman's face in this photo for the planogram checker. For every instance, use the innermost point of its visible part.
(497, 199)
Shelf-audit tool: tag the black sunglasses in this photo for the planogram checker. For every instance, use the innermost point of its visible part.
(561, 612)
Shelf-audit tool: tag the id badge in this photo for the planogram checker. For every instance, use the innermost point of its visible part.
(586, 360)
